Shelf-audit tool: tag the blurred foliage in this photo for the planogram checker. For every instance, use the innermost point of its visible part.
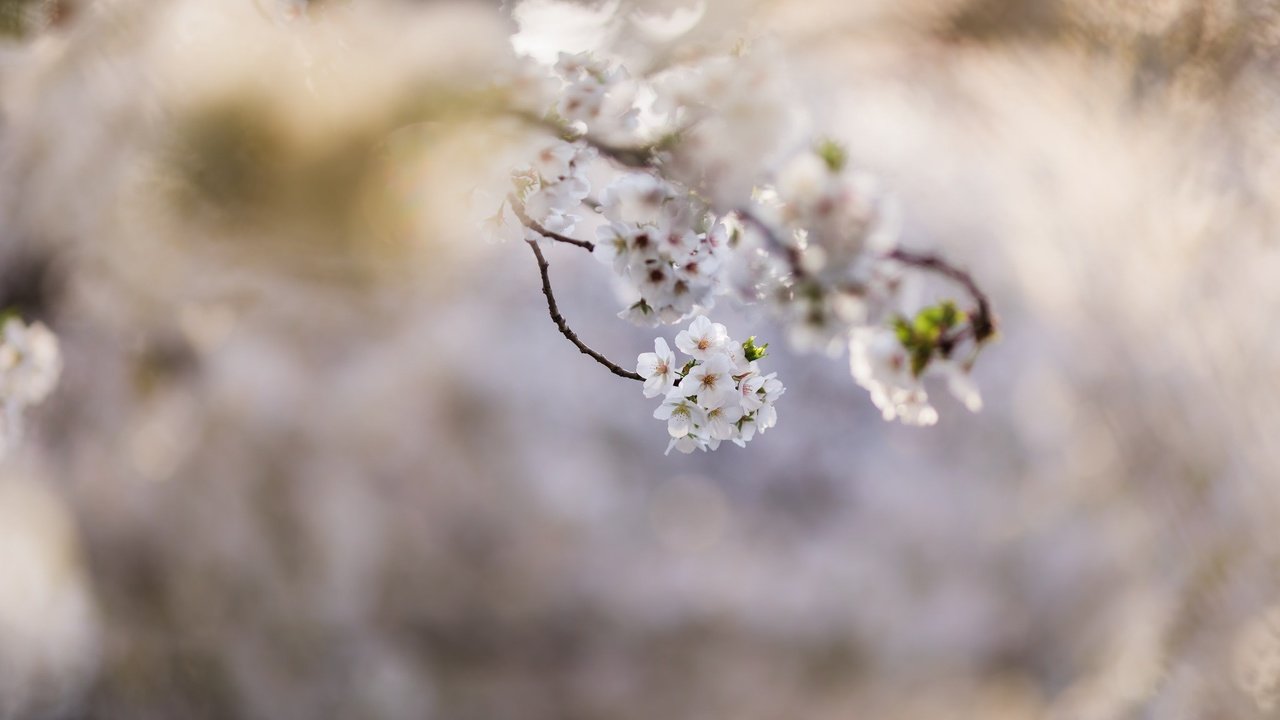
(317, 197)
(23, 18)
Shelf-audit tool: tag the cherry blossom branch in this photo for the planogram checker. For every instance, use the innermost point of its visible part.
(632, 157)
(771, 238)
(982, 321)
(544, 269)
(529, 223)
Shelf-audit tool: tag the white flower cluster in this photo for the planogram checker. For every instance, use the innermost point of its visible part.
(882, 366)
(587, 95)
(686, 216)
(718, 394)
(549, 192)
(662, 241)
(836, 231)
(668, 250)
(553, 187)
(840, 285)
(595, 95)
(30, 364)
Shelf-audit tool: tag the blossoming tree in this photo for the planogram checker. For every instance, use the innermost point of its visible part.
(705, 195)
(693, 180)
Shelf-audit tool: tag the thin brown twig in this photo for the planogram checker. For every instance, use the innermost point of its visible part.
(982, 321)
(544, 269)
(632, 157)
(775, 243)
(529, 223)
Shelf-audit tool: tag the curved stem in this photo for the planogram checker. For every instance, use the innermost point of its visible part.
(631, 157)
(584, 244)
(558, 319)
(775, 243)
(529, 223)
(983, 322)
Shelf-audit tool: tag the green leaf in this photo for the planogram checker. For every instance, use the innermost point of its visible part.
(920, 357)
(906, 335)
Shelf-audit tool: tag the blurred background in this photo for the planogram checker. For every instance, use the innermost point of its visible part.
(319, 452)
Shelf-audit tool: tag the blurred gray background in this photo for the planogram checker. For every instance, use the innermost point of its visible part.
(319, 452)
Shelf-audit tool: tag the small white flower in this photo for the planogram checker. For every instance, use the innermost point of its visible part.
(686, 444)
(655, 280)
(503, 226)
(641, 314)
(746, 431)
(581, 101)
(636, 198)
(959, 383)
(682, 415)
(711, 380)
(571, 65)
(723, 412)
(554, 162)
(804, 179)
(678, 244)
(766, 417)
(772, 388)
(751, 388)
(880, 364)
(699, 269)
(643, 245)
(738, 356)
(30, 362)
(703, 339)
(720, 235)
(658, 368)
(612, 246)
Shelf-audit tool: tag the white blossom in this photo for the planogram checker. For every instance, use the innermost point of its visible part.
(720, 210)
(30, 365)
(720, 396)
(703, 339)
(636, 198)
(723, 412)
(711, 380)
(880, 364)
(658, 368)
(30, 362)
(503, 225)
(960, 384)
(683, 415)
(554, 163)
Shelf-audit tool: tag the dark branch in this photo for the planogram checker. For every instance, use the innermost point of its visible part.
(529, 223)
(983, 322)
(584, 244)
(791, 253)
(632, 157)
(558, 319)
